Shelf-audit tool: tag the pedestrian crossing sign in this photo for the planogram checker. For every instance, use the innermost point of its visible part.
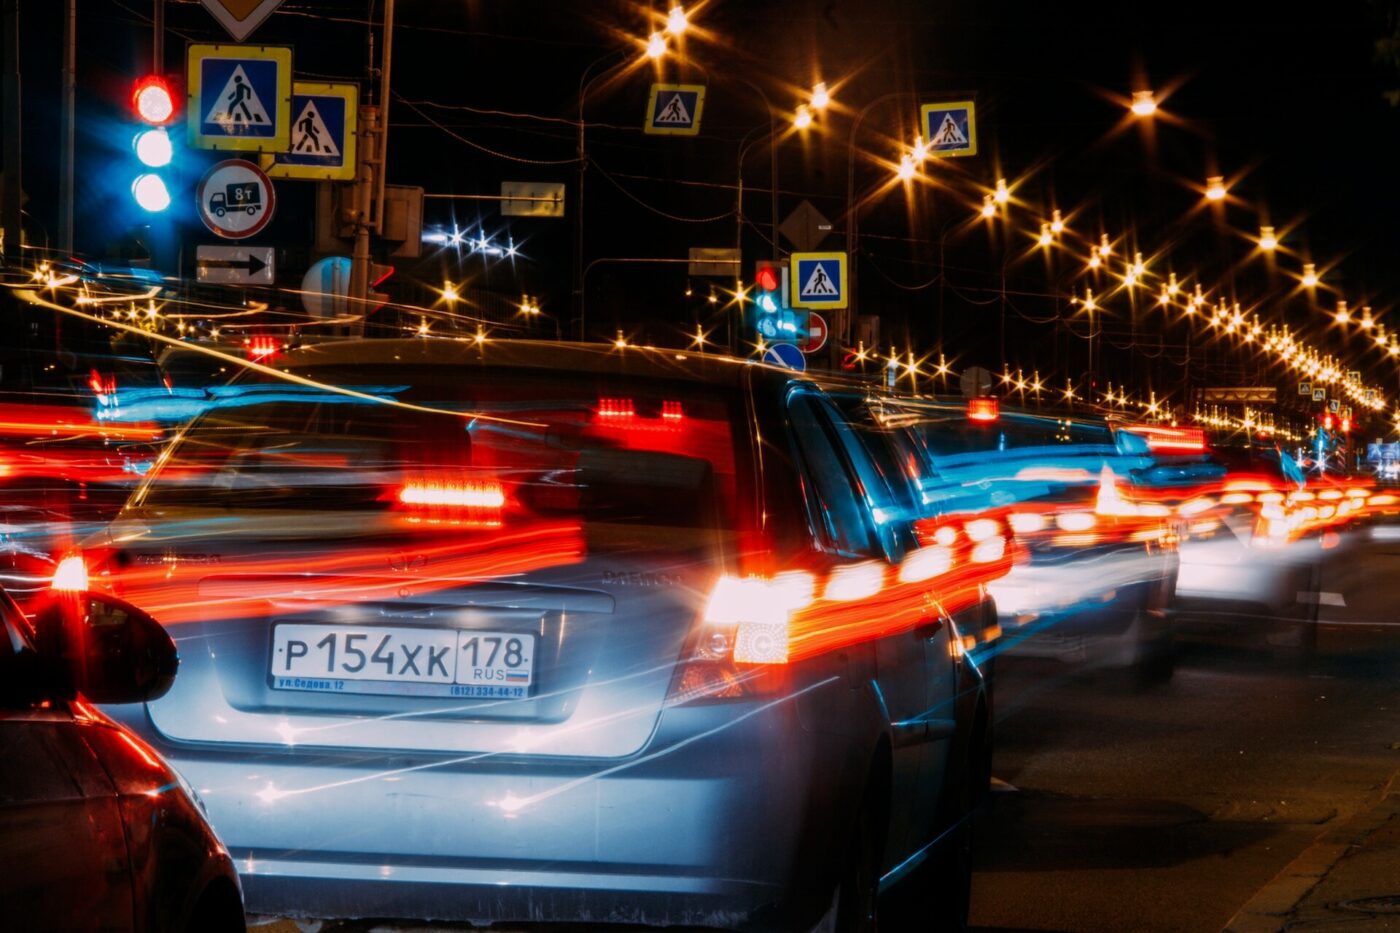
(950, 128)
(819, 280)
(322, 146)
(674, 109)
(240, 97)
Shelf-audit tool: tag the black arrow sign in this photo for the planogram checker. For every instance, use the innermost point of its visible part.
(253, 265)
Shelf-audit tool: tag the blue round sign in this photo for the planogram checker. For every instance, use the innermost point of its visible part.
(785, 354)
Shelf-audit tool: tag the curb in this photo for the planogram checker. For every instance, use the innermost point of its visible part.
(1271, 907)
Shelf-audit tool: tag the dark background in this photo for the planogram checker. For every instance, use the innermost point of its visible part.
(1289, 107)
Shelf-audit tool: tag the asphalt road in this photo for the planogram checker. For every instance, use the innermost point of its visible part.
(1168, 809)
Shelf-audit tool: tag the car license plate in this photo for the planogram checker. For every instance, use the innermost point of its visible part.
(402, 661)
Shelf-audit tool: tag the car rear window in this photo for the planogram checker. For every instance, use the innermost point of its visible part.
(475, 447)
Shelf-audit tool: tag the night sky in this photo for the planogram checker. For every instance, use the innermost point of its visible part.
(1289, 109)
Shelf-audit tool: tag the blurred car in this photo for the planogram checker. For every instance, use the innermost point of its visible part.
(501, 630)
(1098, 568)
(1254, 530)
(96, 831)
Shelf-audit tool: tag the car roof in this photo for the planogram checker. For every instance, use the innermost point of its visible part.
(599, 358)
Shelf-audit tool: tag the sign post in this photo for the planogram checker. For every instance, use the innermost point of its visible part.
(819, 280)
(241, 17)
(950, 128)
(234, 265)
(674, 109)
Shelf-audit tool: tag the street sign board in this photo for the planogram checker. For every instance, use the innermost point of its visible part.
(240, 97)
(817, 333)
(674, 109)
(1256, 394)
(234, 265)
(805, 227)
(819, 280)
(532, 199)
(235, 199)
(713, 263)
(786, 355)
(323, 134)
(1319, 395)
(241, 17)
(950, 128)
(1305, 388)
(1354, 375)
(1334, 405)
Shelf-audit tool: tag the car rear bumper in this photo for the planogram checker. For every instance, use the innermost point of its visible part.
(707, 826)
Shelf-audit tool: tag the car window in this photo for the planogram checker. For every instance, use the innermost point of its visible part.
(844, 524)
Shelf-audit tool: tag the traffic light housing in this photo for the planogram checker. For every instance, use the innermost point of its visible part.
(767, 285)
(153, 104)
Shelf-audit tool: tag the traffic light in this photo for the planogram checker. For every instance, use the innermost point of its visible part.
(153, 103)
(767, 285)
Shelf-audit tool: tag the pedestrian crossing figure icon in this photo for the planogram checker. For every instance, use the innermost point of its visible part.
(674, 112)
(818, 284)
(310, 134)
(948, 133)
(238, 104)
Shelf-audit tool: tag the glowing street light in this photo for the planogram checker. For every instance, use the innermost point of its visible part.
(1367, 322)
(1139, 267)
(1343, 313)
(449, 293)
(1057, 223)
(1172, 286)
(676, 21)
(1094, 260)
(906, 168)
(1309, 275)
(1105, 247)
(989, 206)
(656, 45)
(1002, 194)
(1130, 277)
(1144, 105)
(920, 150)
(820, 96)
(1165, 298)
(1045, 238)
(1268, 242)
(1215, 188)
(802, 118)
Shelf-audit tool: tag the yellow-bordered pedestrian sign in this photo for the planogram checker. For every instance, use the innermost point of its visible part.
(674, 109)
(240, 97)
(819, 280)
(950, 128)
(324, 124)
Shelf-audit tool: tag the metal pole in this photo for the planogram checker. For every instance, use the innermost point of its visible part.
(158, 37)
(382, 148)
(65, 126)
(10, 207)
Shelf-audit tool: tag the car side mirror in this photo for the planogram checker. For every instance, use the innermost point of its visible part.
(112, 651)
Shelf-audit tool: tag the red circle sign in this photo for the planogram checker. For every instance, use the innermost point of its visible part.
(816, 333)
(235, 199)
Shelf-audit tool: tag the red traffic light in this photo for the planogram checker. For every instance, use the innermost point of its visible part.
(766, 278)
(153, 100)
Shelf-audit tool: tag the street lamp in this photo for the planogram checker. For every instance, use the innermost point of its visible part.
(820, 96)
(1310, 277)
(802, 118)
(906, 167)
(1215, 188)
(656, 46)
(989, 206)
(1057, 223)
(676, 21)
(1268, 242)
(1343, 313)
(1002, 194)
(1143, 103)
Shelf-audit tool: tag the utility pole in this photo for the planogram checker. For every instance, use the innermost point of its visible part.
(10, 211)
(65, 131)
(368, 198)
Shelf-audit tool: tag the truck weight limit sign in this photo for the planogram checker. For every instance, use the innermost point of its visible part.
(236, 199)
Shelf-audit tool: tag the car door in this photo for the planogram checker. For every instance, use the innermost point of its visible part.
(857, 518)
(63, 860)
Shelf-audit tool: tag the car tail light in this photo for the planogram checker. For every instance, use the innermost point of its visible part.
(71, 575)
(1170, 440)
(478, 504)
(983, 409)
